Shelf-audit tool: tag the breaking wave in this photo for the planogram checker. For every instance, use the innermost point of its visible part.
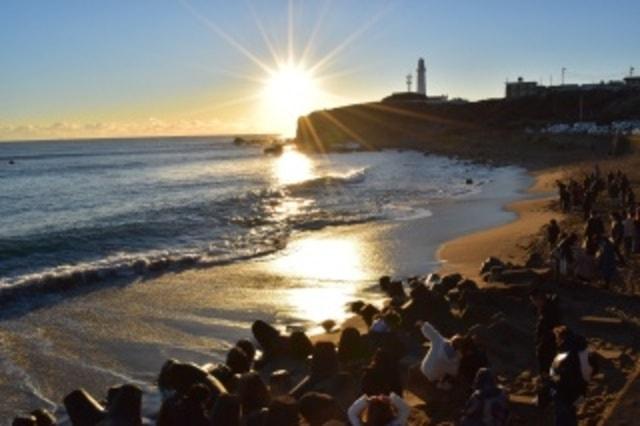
(328, 181)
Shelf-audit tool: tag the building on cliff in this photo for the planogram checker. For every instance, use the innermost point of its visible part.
(421, 73)
(520, 88)
(420, 95)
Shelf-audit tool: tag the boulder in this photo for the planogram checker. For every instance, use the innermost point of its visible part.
(489, 263)
(535, 260)
(44, 417)
(319, 408)
(368, 312)
(238, 361)
(449, 281)
(83, 409)
(283, 411)
(124, 405)
(273, 344)
(226, 410)
(24, 421)
(300, 345)
(180, 377)
(517, 276)
(467, 285)
(384, 282)
(351, 347)
(280, 382)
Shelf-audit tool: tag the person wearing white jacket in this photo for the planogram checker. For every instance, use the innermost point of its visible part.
(379, 411)
(442, 359)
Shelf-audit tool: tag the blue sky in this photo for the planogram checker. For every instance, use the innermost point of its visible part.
(82, 68)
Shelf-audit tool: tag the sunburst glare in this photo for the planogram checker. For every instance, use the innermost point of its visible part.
(289, 92)
(290, 83)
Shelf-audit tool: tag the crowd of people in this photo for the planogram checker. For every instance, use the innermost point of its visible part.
(360, 381)
(282, 379)
(611, 234)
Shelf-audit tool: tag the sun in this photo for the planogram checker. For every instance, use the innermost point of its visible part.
(289, 92)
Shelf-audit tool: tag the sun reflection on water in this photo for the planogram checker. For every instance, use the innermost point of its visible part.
(292, 167)
(331, 268)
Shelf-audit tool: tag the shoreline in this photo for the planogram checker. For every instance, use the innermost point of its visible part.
(465, 254)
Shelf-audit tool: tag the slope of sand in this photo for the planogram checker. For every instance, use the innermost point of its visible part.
(507, 242)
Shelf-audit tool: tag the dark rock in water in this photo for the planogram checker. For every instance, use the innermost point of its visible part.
(180, 377)
(467, 285)
(24, 421)
(247, 347)
(449, 281)
(44, 417)
(535, 260)
(280, 382)
(238, 361)
(226, 411)
(319, 408)
(124, 405)
(83, 409)
(469, 181)
(283, 411)
(300, 345)
(489, 263)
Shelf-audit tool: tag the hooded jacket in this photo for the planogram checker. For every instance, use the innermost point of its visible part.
(441, 359)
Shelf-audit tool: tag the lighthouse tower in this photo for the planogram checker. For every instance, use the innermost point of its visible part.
(422, 77)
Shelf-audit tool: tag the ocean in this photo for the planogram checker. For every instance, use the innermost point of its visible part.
(118, 254)
(77, 212)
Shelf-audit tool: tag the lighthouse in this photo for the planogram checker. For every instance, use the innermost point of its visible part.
(422, 77)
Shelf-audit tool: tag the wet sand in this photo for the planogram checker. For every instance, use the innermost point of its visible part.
(507, 242)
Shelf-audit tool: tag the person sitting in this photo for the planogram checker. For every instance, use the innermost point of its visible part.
(381, 410)
(382, 376)
(472, 359)
(488, 405)
(442, 361)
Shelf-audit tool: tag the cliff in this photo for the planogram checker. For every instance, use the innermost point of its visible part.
(489, 128)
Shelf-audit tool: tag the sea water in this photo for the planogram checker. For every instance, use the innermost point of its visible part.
(118, 254)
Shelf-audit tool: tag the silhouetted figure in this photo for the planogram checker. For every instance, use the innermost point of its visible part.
(548, 319)
(379, 411)
(488, 405)
(382, 376)
(570, 373)
(553, 231)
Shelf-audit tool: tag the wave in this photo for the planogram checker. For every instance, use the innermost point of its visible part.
(327, 181)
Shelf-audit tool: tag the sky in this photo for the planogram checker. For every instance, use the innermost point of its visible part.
(77, 68)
